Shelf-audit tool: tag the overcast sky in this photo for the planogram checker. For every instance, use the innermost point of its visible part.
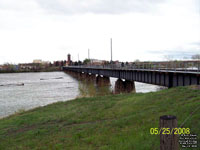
(141, 29)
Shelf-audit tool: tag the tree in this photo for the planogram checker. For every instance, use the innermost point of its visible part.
(122, 64)
(75, 63)
(62, 63)
(79, 63)
(86, 61)
(65, 62)
(56, 63)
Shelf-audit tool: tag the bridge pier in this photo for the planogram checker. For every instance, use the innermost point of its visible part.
(119, 86)
(77, 75)
(72, 73)
(90, 77)
(124, 86)
(102, 81)
(86, 77)
(80, 75)
(129, 86)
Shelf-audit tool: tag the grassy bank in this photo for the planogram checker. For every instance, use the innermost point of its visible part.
(115, 122)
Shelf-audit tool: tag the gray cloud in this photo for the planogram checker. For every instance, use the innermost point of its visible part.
(195, 43)
(179, 52)
(98, 6)
(176, 53)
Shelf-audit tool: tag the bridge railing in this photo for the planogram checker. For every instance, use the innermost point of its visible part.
(169, 66)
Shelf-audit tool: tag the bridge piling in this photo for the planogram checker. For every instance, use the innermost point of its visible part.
(129, 86)
(102, 81)
(119, 86)
(79, 75)
(124, 86)
(90, 77)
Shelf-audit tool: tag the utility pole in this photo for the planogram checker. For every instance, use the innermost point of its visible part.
(88, 53)
(111, 48)
(78, 57)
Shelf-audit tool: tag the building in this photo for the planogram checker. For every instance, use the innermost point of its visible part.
(29, 66)
(37, 61)
(97, 62)
(68, 60)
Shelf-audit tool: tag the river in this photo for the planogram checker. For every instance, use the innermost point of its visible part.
(24, 91)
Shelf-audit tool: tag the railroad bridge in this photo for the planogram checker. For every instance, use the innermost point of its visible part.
(126, 76)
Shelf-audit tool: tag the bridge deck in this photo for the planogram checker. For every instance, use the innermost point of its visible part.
(162, 77)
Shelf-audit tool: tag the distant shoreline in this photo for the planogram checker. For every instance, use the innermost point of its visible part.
(27, 71)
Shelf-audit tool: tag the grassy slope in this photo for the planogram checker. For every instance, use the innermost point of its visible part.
(109, 122)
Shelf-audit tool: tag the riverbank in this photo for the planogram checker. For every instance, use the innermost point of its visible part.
(50, 69)
(106, 122)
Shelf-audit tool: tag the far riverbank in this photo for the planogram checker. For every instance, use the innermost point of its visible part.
(49, 69)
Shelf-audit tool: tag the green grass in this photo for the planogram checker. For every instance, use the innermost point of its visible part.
(114, 122)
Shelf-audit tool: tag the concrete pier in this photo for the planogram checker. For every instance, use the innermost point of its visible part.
(124, 86)
(129, 86)
(102, 81)
(120, 85)
(90, 77)
(79, 75)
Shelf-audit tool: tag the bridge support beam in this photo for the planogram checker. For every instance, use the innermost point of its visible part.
(82, 76)
(102, 81)
(124, 86)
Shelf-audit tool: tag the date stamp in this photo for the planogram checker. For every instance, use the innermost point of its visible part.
(175, 131)
(188, 141)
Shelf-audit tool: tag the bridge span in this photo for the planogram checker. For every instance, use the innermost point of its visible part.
(161, 77)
